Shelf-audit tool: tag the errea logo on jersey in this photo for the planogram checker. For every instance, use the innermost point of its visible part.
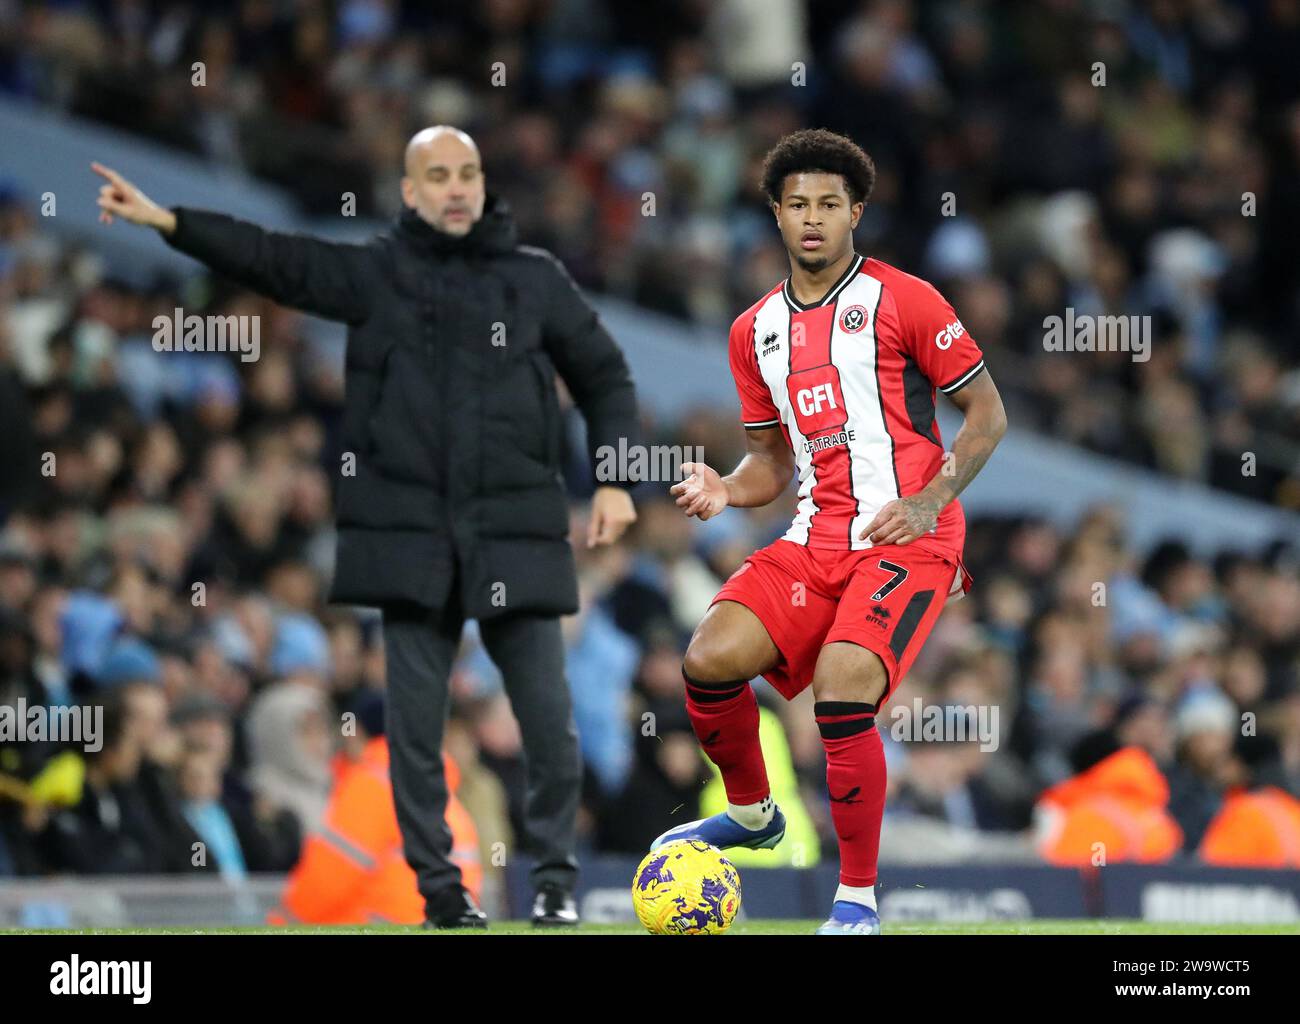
(949, 334)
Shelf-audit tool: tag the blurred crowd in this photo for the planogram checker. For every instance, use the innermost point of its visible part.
(167, 541)
(165, 518)
(1111, 156)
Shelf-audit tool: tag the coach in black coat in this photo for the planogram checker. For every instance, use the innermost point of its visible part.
(451, 411)
(450, 500)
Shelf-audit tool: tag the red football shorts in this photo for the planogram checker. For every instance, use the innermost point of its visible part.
(885, 598)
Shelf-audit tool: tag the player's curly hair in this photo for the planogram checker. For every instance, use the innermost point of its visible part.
(817, 149)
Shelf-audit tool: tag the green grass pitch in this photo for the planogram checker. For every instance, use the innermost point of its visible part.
(1035, 927)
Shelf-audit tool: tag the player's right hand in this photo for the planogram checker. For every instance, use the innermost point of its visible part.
(702, 493)
(119, 198)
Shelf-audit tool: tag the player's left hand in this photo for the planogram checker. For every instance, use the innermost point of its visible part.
(901, 521)
(612, 512)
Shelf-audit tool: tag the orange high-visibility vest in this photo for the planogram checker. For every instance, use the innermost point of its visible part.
(352, 870)
(1118, 803)
(1258, 830)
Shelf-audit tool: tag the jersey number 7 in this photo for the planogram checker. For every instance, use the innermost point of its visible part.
(900, 574)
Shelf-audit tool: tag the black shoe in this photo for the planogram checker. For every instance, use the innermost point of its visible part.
(453, 908)
(554, 907)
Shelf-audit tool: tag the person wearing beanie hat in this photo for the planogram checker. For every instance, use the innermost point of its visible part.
(1206, 726)
(129, 661)
(301, 647)
(368, 706)
(1205, 710)
(132, 676)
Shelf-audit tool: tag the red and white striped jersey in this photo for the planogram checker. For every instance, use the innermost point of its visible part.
(851, 382)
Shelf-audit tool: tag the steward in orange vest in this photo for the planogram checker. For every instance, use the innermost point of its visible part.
(1259, 829)
(1119, 803)
(352, 870)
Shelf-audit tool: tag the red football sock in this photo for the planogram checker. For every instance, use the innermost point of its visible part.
(725, 719)
(855, 780)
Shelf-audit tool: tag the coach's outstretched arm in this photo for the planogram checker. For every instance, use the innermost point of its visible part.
(905, 519)
(326, 278)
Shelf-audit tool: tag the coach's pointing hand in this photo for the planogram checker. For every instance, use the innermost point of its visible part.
(902, 521)
(702, 493)
(119, 198)
(612, 512)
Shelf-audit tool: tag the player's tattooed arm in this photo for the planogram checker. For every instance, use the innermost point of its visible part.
(904, 520)
(762, 475)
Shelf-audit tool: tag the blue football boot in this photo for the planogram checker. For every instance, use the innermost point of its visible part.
(724, 832)
(851, 919)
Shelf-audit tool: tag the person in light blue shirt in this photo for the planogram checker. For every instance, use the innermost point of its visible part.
(200, 783)
(602, 662)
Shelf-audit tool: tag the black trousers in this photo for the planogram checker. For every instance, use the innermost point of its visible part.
(419, 648)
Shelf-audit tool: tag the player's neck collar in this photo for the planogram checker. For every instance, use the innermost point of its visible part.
(832, 293)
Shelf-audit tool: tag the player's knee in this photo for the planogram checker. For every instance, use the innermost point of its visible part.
(710, 660)
(847, 672)
(701, 663)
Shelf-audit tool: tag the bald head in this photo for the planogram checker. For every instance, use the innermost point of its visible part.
(441, 143)
(443, 183)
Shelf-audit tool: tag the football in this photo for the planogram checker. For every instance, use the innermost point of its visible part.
(686, 888)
